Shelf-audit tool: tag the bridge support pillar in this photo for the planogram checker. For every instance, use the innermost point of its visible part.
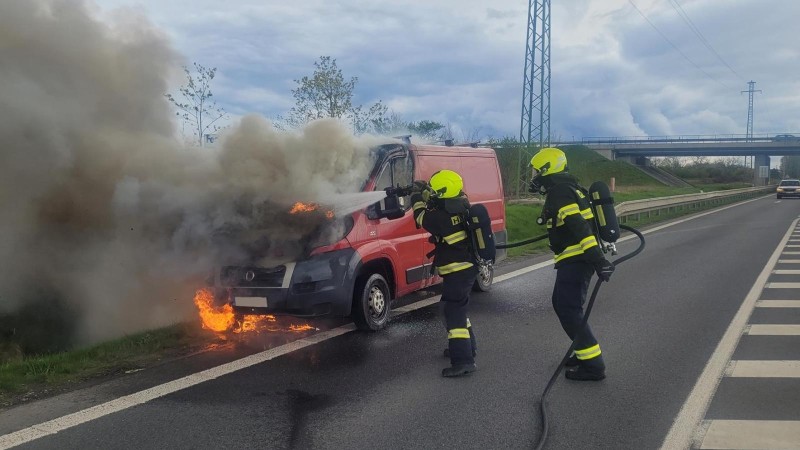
(759, 177)
(607, 153)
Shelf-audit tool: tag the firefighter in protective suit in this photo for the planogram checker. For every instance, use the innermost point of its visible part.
(439, 208)
(567, 213)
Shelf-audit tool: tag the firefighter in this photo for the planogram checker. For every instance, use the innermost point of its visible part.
(567, 212)
(440, 208)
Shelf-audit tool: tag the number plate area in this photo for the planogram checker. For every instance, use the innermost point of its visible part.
(251, 302)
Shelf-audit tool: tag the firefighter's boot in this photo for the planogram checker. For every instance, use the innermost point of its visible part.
(582, 373)
(458, 370)
(593, 369)
(572, 361)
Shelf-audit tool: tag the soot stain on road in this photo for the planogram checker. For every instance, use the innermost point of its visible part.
(301, 403)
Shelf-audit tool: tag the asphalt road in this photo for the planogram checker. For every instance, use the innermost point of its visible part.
(658, 322)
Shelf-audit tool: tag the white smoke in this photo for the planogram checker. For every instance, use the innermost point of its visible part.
(100, 204)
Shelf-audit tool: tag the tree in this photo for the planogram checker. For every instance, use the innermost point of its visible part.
(389, 124)
(373, 120)
(427, 130)
(327, 94)
(197, 108)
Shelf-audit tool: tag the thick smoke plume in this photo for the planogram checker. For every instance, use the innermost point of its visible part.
(105, 217)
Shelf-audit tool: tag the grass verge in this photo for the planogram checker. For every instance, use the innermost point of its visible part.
(35, 374)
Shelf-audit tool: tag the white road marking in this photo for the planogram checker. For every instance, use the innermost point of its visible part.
(522, 271)
(62, 423)
(693, 410)
(774, 330)
(782, 286)
(738, 434)
(778, 304)
(791, 253)
(138, 398)
(789, 261)
(786, 272)
(765, 369)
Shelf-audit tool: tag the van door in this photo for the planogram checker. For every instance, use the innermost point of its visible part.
(403, 241)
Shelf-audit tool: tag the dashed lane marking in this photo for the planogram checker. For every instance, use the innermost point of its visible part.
(765, 369)
(738, 434)
(778, 304)
(774, 330)
(782, 286)
(691, 414)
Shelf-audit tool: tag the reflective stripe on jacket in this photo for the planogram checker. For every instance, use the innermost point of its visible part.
(452, 250)
(568, 215)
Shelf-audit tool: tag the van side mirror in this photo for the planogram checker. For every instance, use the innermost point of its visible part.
(390, 207)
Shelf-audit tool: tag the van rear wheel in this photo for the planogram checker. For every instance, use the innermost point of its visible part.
(485, 277)
(371, 303)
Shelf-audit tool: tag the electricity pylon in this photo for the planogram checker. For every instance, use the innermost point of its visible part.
(534, 125)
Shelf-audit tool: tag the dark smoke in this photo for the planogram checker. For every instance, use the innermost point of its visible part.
(104, 213)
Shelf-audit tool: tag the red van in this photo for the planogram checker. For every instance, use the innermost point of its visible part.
(379, 254)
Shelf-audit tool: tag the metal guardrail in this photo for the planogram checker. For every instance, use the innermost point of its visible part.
(655, 206)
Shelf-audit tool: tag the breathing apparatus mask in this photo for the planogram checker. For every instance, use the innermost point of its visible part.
(536, 186)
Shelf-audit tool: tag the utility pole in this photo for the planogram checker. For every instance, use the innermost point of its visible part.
(751, 90)
(535, 118)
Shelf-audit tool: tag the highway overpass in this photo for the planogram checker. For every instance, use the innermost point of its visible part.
(636, 150)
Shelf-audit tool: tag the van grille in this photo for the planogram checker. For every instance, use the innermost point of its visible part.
(235, 276)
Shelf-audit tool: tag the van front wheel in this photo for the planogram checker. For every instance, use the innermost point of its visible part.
(483, 282)
(371, 303)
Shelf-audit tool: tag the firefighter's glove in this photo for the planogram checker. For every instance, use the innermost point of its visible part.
(604, 269)
(424, 189)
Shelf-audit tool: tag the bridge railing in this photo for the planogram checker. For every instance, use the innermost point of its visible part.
(689, 138)
(635, 209)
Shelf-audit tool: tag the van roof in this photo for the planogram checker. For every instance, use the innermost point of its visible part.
(441, 149)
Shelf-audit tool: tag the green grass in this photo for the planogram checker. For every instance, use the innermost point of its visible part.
(520, 225)
(588, 166)
(115, 356)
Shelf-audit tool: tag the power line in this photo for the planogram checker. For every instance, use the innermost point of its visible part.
(679, 9)
(673, 45)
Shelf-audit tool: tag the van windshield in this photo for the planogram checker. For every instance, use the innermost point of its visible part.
(790, 183)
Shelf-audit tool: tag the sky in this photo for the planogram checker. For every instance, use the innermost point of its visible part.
(619, 67)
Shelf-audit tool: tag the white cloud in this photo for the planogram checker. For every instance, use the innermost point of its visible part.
(459, 61)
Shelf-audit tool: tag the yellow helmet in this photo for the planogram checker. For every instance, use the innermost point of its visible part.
(447, 183)
(548, 161)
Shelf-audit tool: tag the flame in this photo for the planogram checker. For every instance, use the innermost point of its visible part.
(303, 207)
(221, 319)
(214, 319)
(251, 323)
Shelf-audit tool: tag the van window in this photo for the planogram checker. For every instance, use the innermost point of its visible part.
(398, 172)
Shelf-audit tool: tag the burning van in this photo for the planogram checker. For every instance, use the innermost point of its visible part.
(356, 264)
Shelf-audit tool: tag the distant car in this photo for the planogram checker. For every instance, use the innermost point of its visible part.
(788, 188)
(785, 138)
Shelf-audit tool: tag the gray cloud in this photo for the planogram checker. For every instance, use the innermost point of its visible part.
(415, 55)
